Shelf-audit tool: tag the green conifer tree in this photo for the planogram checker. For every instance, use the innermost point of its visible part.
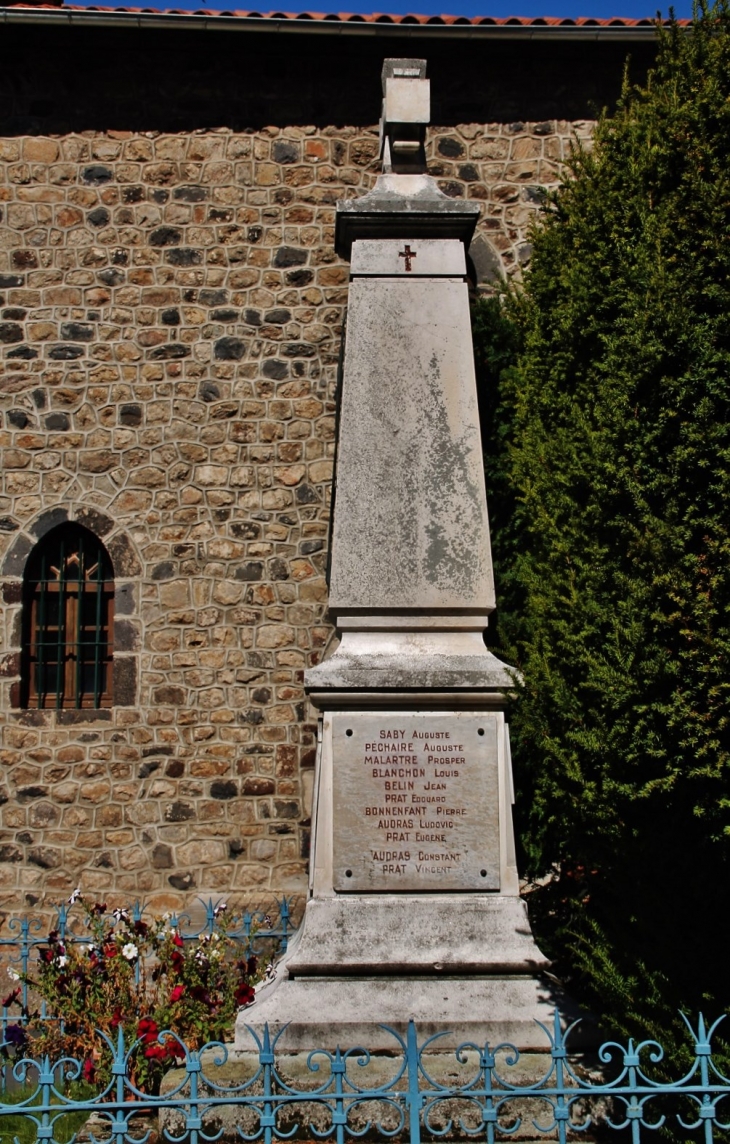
(608, 461)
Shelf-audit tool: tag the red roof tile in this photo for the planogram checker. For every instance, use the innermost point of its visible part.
(352, 17)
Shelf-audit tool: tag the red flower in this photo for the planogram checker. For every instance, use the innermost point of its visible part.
(244, 994)
(116, 1018)
(10, 999)
(176, 994)
(252, 965)
(168, 1051)
(109, 949)
(178, 941)
(147, 1029)
(87, 1070)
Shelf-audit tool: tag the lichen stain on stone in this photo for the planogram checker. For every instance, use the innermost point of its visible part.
(453, 499)
(410, 524)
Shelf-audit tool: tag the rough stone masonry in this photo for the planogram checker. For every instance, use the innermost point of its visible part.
(171, 310)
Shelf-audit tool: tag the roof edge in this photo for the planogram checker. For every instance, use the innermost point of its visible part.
(342, 25)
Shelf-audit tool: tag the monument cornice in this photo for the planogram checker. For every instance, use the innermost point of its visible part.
(400, 207)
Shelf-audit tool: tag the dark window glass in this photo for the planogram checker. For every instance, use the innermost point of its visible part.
(67, 621)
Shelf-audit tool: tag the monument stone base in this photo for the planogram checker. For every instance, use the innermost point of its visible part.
(324, 1012)
(464, 966)
(414, 939)
(371, 935)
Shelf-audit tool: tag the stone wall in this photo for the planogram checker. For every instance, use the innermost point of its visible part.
(170, 317)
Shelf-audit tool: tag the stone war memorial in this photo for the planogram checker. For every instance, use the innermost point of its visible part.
(247, 582)
(414, 909)
(174, 276)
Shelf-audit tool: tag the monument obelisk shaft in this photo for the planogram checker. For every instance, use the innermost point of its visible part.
(414, 909)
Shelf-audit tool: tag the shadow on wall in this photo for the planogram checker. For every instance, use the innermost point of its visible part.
(177, 80)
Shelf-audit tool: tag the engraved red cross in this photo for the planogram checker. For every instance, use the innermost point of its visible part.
(408, 254)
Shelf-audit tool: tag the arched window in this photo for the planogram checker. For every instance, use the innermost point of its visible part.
(68, 612)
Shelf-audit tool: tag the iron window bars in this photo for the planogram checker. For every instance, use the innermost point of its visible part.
(68, 618)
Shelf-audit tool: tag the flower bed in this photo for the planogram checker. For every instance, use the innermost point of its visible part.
(135, 978)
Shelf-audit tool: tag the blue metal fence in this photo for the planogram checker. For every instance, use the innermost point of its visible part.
(254, 931)
(338, 1094)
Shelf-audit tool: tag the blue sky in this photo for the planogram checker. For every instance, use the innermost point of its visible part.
(600, 9)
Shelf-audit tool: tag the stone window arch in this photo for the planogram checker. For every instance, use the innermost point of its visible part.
(68, 622)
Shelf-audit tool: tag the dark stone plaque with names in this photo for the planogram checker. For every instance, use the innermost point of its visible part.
(416, 802)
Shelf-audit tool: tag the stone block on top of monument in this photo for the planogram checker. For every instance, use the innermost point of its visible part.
(404, 188)
(414, 907)
(405, 116)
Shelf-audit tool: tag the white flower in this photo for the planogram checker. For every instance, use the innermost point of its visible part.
(268, 977)
(13, 975)
(61, 962)
(220, 908)
(129, 951)
(120, 915)
(75, 897)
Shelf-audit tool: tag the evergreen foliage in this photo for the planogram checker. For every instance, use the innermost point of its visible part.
(608, 472)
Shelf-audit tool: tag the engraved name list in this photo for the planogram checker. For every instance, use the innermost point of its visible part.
(415, 802)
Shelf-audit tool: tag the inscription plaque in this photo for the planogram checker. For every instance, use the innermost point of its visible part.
(416, 802)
